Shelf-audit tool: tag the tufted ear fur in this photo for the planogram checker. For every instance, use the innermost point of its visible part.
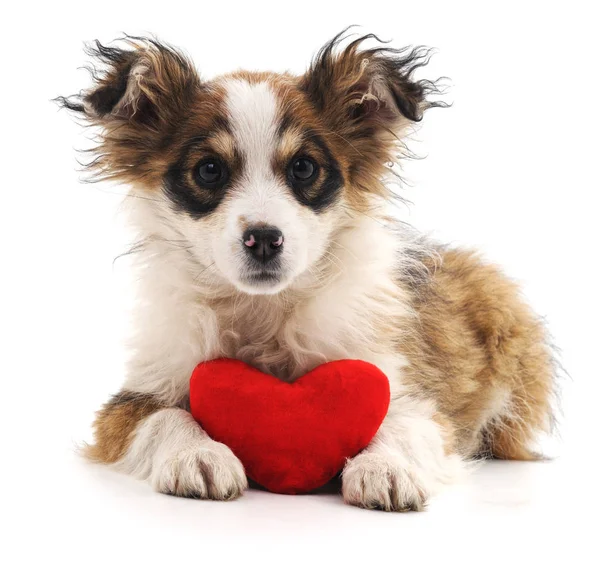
(138, 97)
(368, 97)
(368, 90)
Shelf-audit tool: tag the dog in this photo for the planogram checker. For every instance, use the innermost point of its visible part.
(262, 205)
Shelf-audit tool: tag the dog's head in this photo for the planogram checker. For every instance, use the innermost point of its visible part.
(255, 171)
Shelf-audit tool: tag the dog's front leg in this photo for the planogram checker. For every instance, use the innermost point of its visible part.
(408, 460)
(142, 435)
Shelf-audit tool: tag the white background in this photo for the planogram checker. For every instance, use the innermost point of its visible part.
(511, 169)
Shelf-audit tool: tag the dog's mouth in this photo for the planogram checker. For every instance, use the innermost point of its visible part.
(264, 277)
(262, 281)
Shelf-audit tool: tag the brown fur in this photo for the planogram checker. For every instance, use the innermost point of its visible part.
(148, 102)
(367, 97)
(475, 341)
(115, 425)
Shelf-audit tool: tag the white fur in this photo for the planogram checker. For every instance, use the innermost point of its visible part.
(338, 300)
(186, 313)
(178, 457)
(404, 464)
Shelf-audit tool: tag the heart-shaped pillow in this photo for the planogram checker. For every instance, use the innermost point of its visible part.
(291, 438)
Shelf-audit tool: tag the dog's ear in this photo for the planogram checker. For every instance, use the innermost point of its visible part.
(358, 90)
(142, 81)
(140, 92)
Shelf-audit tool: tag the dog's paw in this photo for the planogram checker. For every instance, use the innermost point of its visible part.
(208, 471)
(376, 481)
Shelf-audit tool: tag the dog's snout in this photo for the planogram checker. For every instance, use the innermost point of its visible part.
(263, 243)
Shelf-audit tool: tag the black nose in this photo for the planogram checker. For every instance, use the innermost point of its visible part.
(263, 243)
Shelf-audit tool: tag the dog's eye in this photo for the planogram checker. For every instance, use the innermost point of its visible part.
(302, 169)
(209, 173)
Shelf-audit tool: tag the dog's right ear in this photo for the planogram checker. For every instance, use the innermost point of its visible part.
(139, 95)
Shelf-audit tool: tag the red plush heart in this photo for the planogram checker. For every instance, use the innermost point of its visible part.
(291, 438)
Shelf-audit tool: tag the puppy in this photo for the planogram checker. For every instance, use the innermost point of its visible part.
(260, 201)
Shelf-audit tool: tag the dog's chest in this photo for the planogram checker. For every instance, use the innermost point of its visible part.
(286, 346)
(290, 342)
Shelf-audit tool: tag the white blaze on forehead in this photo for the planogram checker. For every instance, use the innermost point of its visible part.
(253, 116)
(260, 195)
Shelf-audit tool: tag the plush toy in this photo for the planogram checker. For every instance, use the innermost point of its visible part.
(291, 438)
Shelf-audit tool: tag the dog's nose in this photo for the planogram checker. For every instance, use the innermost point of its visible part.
(263, 243)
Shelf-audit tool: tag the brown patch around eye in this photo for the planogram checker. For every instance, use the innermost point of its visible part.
(182, 184)
(297, 140)
(290, 143)
(223, 144)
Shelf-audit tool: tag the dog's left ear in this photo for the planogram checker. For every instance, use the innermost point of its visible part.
(354, 89)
